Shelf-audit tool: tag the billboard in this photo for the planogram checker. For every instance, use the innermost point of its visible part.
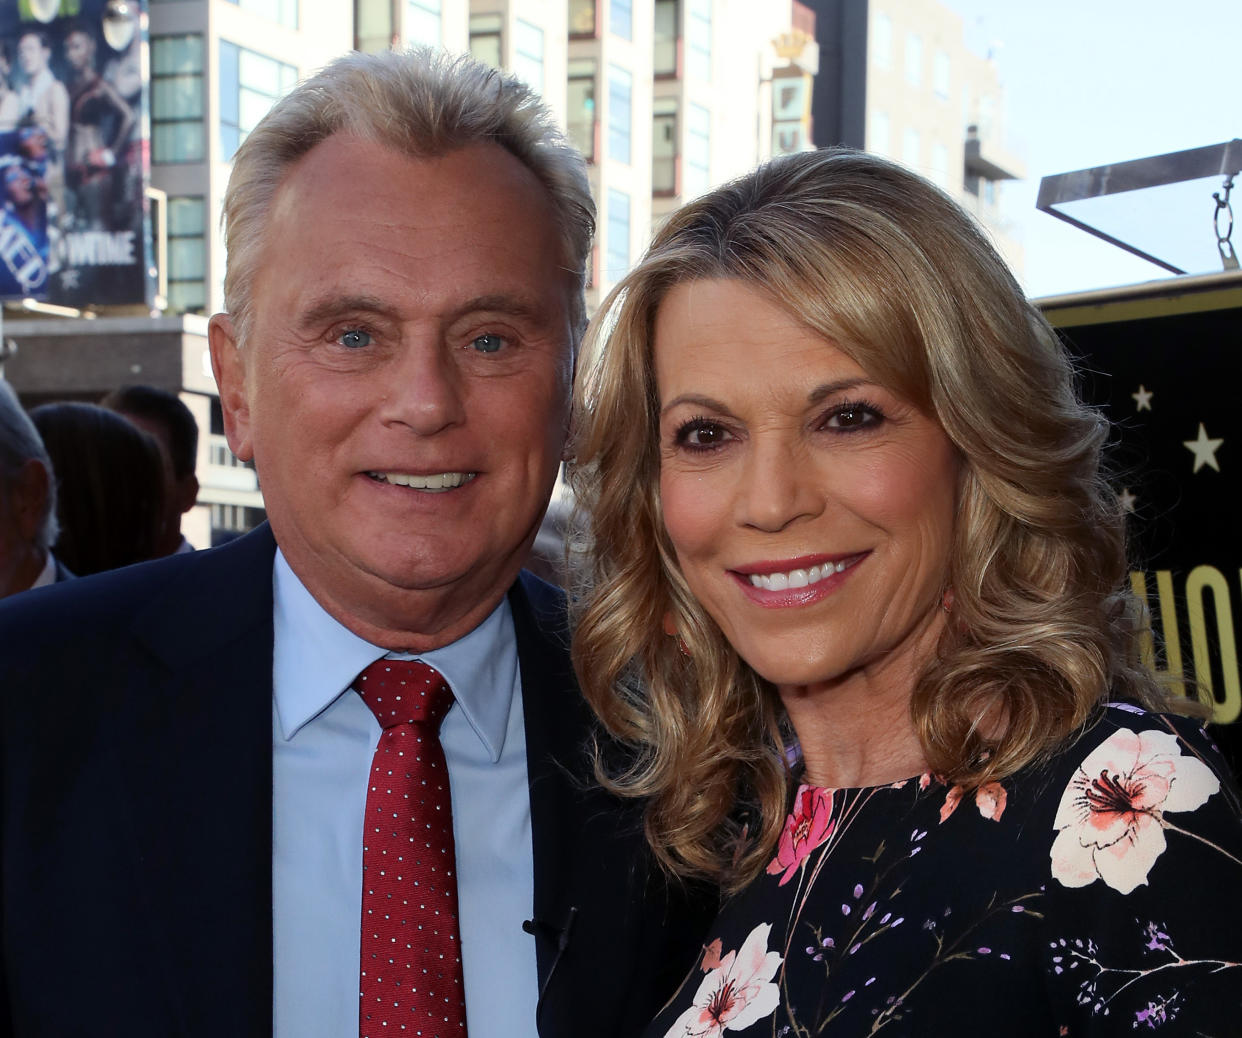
(74, 228)
(1162, 363)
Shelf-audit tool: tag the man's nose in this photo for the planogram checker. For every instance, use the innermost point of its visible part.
(425, 389)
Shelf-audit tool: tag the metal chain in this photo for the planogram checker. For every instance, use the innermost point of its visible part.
(1223, 243)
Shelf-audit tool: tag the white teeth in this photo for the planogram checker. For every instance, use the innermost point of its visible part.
(796, 578)
(439, 481)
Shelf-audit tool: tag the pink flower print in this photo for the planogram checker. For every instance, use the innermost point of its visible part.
(1110, 822)
(735, 995)
(990, 799)
(807, 827)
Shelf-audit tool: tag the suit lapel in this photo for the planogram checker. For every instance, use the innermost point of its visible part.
(199, 777)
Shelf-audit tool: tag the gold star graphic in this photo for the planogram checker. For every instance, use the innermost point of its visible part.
(1126, 499)
(1142, 399)
(1203, 449)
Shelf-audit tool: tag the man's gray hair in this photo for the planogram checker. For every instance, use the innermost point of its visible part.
(19, 443)
(423, 103)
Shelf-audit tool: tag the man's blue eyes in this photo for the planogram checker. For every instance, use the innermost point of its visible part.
(356, 338)
(488, 343)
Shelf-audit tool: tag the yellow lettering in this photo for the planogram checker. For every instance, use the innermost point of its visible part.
(1171, 676)
(1208, 578)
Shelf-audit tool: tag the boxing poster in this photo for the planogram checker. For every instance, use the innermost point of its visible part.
(74, 228)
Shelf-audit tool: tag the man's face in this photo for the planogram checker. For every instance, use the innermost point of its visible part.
(32, 55)
(404, 386)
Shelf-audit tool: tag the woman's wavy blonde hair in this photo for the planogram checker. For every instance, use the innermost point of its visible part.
(891, 271)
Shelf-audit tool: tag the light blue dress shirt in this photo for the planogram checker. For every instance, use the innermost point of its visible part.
(323, 739)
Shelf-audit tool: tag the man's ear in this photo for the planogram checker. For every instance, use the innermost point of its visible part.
(30, 490)
(229, 367)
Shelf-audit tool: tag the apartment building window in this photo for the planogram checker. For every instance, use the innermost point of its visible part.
(879, 142)
(940, 75)
(250, 83)
(910, 148)
(617, 261)
(422, 21)
(696, 178)
(620, 113)
(528, 54)
(283, 11)
(882, 41)
(187, 254)
(914, 60)
(940, 166)
(485, 40)
(580, 96)
(665, 56)
(621, 18)
(582, 17)
(664, 146)
(177, 129)
(699, 39)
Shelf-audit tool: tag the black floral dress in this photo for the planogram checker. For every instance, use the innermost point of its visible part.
(1098, 895)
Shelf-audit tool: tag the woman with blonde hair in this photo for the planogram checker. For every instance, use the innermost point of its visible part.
(854, 597)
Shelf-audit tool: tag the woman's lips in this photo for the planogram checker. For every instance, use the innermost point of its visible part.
(796, 581)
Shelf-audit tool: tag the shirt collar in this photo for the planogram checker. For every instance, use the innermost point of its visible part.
(315, 659)
(47, 575)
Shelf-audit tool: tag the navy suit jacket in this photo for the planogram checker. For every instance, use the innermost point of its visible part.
(135, 834)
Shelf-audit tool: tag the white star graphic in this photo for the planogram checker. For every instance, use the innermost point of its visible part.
(1126, 499)
(1142, 399)
(1204, 450)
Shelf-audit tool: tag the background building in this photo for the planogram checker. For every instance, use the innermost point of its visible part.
(665, 98)
(897, 78)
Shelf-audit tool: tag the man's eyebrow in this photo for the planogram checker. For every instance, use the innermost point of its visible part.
(501, 303)
(340, 306)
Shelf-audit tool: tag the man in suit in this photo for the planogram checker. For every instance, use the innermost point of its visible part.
(183, 792)
(27, 503)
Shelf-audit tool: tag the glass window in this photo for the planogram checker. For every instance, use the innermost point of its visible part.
(910, 147)
(879, 142)
(283, 11)
(528, 54)
(940, 75)
(621, 18)
(699, 39)
(373, 26)
(485, 43)
(582, 17)
(617, 260)
(250, 83)
(187, 254)
(177, 128)
(422, 21)
(914, 60)
(939, 172)
(698, 169)
(664, 146)
(620, 114)
(581, 100)
(665, 63)
(882, 41)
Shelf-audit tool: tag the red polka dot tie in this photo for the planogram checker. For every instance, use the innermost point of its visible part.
(411, 974)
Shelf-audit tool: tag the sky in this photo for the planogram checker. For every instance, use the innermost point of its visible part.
(1093, 82)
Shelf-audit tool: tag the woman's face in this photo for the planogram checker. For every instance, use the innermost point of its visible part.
(811, 508)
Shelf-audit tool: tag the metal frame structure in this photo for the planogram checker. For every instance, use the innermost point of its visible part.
(1224, 160)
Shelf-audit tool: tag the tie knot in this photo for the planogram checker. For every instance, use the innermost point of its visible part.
(405, 692)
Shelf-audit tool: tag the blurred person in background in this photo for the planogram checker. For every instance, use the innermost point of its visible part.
(109, 486)
(166, 417)
(28, 525)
